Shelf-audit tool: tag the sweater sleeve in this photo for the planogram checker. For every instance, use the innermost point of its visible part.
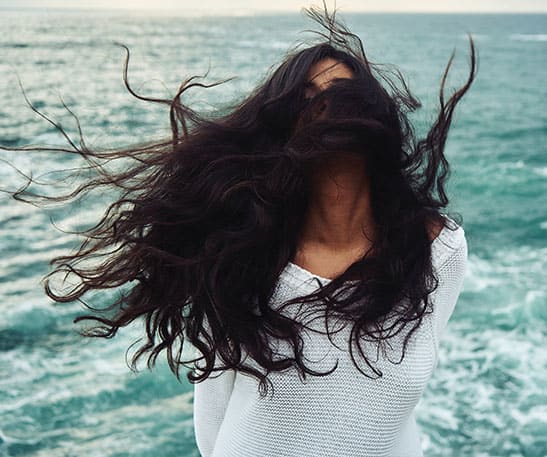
(451, 265)
(211, 398)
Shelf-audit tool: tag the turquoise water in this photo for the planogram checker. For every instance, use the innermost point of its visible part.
(64, 396)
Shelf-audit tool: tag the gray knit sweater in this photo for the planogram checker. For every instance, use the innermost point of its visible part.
(344, 414)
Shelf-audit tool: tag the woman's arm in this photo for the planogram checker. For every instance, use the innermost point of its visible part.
(210, 402)
(451, 265)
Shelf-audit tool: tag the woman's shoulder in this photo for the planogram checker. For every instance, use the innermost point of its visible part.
(449, 240)
(434, 229)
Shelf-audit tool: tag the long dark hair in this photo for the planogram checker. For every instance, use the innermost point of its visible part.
(207, 220)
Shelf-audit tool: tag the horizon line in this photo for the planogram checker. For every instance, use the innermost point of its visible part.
(250, 11)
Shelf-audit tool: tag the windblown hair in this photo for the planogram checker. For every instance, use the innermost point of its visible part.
(207, 220)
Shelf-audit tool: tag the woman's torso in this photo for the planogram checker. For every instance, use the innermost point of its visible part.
(342, 414)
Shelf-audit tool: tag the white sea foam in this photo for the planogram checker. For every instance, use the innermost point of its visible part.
(479, 275)
(528, 37)
(542, 171)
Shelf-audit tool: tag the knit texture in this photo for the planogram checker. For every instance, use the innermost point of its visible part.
(344, 414)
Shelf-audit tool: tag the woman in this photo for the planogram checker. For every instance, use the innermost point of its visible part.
(298, 244)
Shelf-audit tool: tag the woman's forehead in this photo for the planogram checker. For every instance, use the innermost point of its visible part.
(329, 68)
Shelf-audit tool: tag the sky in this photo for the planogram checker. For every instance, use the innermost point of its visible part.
(257, 6)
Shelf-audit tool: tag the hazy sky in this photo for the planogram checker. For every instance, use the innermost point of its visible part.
(293, 5)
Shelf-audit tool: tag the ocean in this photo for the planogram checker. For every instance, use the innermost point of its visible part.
(62, 395)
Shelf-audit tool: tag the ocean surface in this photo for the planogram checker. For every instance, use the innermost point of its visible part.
(62, 395)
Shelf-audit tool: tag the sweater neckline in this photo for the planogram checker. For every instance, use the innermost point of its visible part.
(298, 272)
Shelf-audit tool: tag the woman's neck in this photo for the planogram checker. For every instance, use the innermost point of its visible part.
(339, 209)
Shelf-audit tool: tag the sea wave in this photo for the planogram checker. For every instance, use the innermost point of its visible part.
(528, 37)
